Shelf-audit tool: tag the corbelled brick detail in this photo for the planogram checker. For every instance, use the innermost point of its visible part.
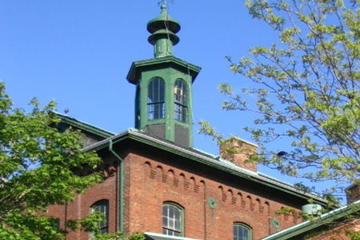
(154, 177)
(155, 180)
(239, 152)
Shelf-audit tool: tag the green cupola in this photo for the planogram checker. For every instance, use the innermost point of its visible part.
(163, 102)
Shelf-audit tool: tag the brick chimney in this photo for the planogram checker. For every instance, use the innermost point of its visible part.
(353, 193)
(238, 151)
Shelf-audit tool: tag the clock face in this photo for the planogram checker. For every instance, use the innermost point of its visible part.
(212, 202)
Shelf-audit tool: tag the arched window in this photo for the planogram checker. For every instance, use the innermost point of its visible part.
(156, 105)
(181, 95)
(102, 207)
(241, 232)
(173, 219)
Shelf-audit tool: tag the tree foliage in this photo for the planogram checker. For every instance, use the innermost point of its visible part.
(37, 169)
(306, 87)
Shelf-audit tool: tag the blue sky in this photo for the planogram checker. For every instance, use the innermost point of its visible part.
(78, 53)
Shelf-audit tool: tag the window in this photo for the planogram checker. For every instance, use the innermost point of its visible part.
(173, 219)
(242, 232)
(180, 94)
(102, 207)
(156, 106)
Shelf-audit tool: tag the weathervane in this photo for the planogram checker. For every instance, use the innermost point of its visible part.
(164, 2)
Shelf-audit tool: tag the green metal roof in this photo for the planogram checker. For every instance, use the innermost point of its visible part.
(163, 33)
(163, 21)
(309, 225)
(133, 75)
(158, 236)
(84, 126)
(207, 160)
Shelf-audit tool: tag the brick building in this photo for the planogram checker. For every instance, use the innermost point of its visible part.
(157, 183)
(340, 223)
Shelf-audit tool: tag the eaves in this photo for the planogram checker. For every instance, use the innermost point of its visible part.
(207, 160)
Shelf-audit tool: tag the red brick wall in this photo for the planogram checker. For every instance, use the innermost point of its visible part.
(338, 233)
(81, 206)
(151, 182)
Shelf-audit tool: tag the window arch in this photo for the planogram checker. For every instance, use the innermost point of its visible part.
(102, 207)
(181, 101)
(173, 219)
(155, 101)
(241, 232)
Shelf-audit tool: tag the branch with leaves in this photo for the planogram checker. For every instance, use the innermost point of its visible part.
(306, 86)
(37, 169)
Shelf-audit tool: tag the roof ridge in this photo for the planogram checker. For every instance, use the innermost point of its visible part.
(84, 125)
(207, 159)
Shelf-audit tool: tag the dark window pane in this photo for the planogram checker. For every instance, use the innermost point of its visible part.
(156, 105)
(180, 95)
(241, 232)
(180, 91)
(180, 112)
(103, 208)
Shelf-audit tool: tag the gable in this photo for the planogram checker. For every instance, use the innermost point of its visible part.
(89, 133)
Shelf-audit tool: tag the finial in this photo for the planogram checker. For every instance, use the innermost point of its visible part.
(163, 31)
(163, 7)
(163, 4)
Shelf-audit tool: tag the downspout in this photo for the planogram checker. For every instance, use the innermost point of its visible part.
(65, 217)
(119, 188)
(205, 215)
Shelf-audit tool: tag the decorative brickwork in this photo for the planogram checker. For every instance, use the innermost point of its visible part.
(155, 181)
(81, 207)
(212, 201)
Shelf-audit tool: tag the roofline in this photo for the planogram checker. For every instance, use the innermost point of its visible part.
(206, 160)
(84, 126)
(167, 237)
(101, 144)
(312, 224)
(161, 60)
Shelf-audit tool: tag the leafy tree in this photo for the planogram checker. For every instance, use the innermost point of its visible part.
(306, 88)
(37, 164)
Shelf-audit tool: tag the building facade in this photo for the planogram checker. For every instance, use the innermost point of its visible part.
(157, 183)
(341, 223)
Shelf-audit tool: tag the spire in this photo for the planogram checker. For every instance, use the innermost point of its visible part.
(163, 31)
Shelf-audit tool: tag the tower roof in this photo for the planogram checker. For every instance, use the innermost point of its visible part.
(163, 21)
(163, 27)
(154, 63)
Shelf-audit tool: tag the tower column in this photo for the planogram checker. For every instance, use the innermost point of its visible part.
(163, 47)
